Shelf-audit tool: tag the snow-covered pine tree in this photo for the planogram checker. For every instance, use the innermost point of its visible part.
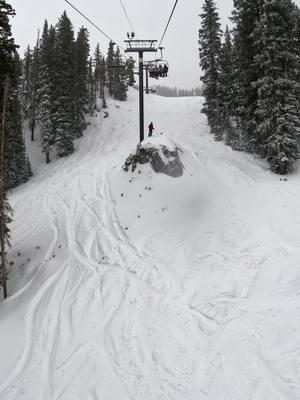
(245, 17)
(103, 81)
(100, 74)
(209, 51)
(120, 86)
(65, 115)
(91, 89)
(34, 89)
(297, 38)
(226, 88)
(130, 71)
(109, 62)
(26, 81)
(82, 50)
(7, 49)
(97, 68)
(47, 89)
(278, 108)
(18, 171)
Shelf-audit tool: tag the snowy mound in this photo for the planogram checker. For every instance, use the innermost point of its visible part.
(160, 152)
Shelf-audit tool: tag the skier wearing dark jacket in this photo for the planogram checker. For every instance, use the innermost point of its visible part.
(151, 127)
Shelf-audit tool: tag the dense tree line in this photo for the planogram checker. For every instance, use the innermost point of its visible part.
(177, 92)
(14, 165)
(53, 88)
(62, 84)
(252, 78)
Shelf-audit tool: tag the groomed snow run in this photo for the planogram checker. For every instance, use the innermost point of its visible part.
(140, 286)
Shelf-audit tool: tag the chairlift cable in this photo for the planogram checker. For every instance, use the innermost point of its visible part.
(94, 25)
(128, 19)
(168, 23)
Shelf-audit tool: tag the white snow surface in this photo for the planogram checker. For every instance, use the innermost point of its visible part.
(140, 286)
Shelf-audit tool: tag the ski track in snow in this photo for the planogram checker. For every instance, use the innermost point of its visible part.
(203, 310)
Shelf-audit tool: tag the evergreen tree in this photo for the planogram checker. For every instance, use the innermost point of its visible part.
(7, 66)
(110, 73)
(120, 86)
(100, 74)
(92, 88)
(246, 15)
(82, 50)
(209, 50)
(103, 81)
(297, 45)
(65, 112)
(226, 87)
(18, 171)
(26, 82)
(47, 89)
(34, 89)
(97, 70)
(278, 108)
(130, 71)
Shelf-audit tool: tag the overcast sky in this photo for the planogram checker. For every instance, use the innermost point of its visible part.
(148, 17)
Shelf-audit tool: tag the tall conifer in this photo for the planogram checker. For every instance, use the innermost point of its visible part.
(65, 113)
(209, 50)
(278, 108)
(226, 87)
(47, 100)
(82, 49)
(110, 73)
(245, 16)
(7, 67)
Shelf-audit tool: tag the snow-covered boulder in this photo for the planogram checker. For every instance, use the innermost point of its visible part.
(160, 152)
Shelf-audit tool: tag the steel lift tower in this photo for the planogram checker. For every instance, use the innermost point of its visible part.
(141, 47)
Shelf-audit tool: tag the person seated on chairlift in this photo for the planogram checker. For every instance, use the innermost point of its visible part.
(160, 70)
(152, 72)
(165, 70)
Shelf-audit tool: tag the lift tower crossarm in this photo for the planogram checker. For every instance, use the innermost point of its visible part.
(140, 47)
(136, 45)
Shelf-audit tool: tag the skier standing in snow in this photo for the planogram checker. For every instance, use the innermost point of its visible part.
(151, 127)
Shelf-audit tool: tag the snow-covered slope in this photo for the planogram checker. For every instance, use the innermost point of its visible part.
(145, 287)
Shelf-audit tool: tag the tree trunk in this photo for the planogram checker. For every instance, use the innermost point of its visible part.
(32, 129)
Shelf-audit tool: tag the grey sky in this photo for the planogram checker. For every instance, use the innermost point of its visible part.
(149, 18)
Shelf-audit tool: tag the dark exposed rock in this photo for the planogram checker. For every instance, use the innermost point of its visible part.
(161, 159)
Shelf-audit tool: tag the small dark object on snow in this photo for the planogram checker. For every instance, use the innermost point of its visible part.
(106, 114)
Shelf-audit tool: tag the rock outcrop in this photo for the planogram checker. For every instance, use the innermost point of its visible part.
(162, 157)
